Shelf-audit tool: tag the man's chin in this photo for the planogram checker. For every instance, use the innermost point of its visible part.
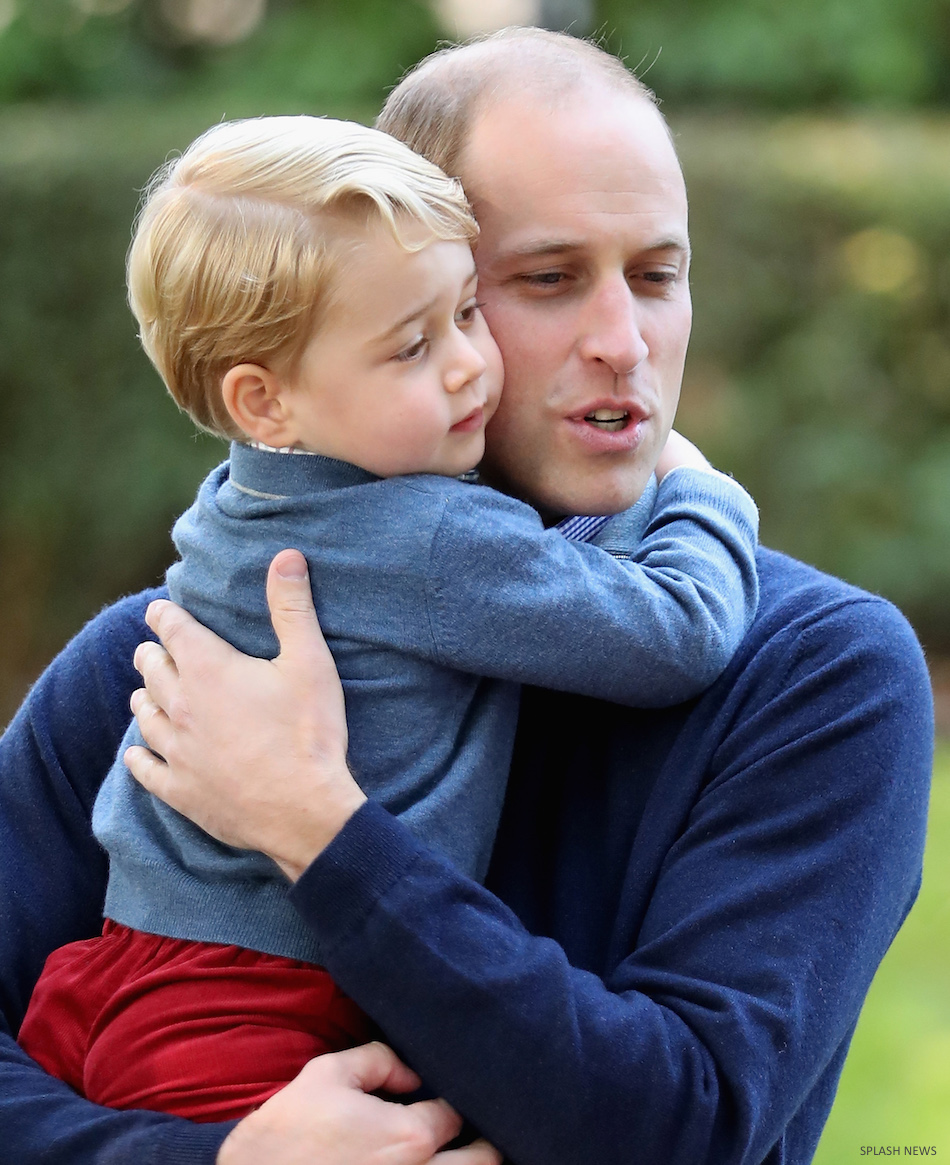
(564, 495)
(591, 501)
(610, 495)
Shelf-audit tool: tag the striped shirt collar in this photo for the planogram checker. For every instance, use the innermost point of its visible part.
(283, 449)
(583, 528)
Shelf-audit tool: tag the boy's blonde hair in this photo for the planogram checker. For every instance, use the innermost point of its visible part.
(233, 256)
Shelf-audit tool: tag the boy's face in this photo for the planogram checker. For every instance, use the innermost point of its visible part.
(403, 373)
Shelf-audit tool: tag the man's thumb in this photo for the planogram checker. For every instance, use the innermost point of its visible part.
(291, 604)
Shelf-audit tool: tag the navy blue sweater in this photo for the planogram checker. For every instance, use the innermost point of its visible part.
(682, 918)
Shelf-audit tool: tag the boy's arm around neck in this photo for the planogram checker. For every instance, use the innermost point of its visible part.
(648, 617)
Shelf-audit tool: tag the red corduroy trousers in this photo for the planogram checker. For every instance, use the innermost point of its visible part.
(209, 1032)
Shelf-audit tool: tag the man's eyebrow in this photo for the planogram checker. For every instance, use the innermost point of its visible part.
(670, 244)
(564, 246)
(548, 247)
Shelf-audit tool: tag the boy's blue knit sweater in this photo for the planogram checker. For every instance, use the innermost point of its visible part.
(682, 917)
(425, 586)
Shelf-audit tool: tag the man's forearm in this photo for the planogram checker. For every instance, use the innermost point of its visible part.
(42, 1120)
(769, 915)
(52, 879)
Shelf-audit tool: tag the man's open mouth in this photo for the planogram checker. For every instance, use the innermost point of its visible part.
(609, 420)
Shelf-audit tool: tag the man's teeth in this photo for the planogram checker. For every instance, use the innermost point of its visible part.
(609, 419)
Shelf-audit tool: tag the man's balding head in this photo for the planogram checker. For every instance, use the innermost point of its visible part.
(434, 107)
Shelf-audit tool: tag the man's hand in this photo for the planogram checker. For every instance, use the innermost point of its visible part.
(253, 751)
(679, 452)
(327, 1116)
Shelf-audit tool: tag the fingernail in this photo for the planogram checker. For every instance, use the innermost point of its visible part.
(293, 566)
(153, 610)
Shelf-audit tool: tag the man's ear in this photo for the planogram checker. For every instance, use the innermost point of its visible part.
(256, 398)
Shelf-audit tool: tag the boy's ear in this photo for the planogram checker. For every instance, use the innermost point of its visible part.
(256, 398)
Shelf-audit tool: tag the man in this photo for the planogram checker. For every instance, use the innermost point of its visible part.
(685, 907)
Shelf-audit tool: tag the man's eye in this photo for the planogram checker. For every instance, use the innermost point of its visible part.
(414, 350)
(659, 278)
(544, 278)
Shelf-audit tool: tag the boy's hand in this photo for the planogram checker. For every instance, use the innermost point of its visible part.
(327, 1115)
(253, 751)
(677, 453)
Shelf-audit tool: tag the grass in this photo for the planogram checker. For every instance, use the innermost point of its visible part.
(895, 1089)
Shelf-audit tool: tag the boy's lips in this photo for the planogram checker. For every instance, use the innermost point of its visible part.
(471, 422)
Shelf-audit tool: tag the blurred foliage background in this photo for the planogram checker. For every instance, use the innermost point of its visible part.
(816, 142)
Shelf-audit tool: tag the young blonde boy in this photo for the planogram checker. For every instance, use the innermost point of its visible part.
(307, 288)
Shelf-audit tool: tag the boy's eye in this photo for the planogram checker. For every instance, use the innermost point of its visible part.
(414, 350)
(466, 313)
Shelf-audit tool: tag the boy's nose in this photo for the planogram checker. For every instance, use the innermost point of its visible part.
(467, 365)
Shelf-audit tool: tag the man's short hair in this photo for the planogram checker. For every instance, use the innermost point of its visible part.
(434, 106)
(233, 257)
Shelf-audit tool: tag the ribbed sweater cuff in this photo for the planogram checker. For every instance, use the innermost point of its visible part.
(363, 862)
(185, 1143)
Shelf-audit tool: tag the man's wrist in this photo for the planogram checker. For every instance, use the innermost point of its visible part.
(230, 1147)
(313, 831)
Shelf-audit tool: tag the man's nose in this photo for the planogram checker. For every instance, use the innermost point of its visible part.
(611, 327)
(466, 363)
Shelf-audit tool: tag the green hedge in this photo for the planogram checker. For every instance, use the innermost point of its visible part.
(767, 53)
(818, 374)
(820, 365)
(302, 50)
(895, 1089)
(773, 54)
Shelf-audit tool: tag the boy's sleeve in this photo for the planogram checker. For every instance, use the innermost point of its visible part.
(52, 881)
(647, 624)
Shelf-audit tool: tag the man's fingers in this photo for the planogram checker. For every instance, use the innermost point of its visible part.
(152, 721)
(439, 1118)
(477, 1153)
(375, 1067)
(148, 769)
(150, 657)
(160, 677)
(178, 631)
(166, 619)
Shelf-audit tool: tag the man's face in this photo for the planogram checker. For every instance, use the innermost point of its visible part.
(583, 272)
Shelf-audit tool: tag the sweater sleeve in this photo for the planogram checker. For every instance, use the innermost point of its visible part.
(647, 625)
(52, 880)
(727, 1013)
